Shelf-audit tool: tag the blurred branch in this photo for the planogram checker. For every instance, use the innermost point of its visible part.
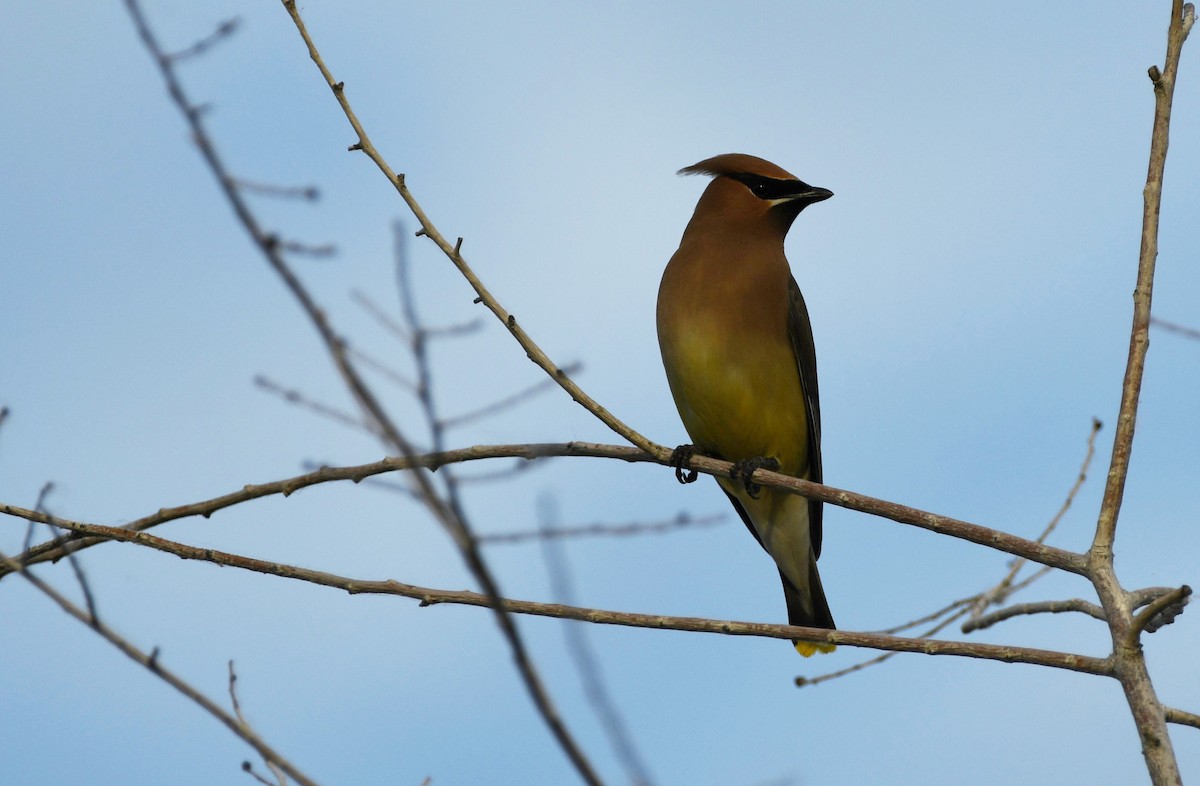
(49, 520)
(151, 662)
(429, 596)
(1173, 327)
(682, 521)
(381, 316)
(446, 511)
(562, 590)
(508, 402)
(304, 249)
(293, 396)
(384, 369)
(305, 193)
(1001, 541)
(224, 30)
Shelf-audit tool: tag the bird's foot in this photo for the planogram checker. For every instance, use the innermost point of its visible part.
(745, 468)
(679, 460)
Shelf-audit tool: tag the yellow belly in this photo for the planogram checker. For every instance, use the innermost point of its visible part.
(739, 401)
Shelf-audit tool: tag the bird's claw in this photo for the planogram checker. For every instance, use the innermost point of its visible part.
(745, 468)
(679, 460)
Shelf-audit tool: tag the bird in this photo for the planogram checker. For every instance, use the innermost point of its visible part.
(737, 347)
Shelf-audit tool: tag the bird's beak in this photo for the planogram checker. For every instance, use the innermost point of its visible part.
(811, 194)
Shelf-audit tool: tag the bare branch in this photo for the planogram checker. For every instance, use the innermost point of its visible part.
(1183, 718)
(280, 779)
(1036, 607)
(985, 536)
(305, 193)
(1159, 612)
(153, 664)
(959, 609)
(562, 589)
(293, 396)
(1129, 660)
(682, 521)
(947, 609)
(384, 369)
(1005, 588)
(224, 30)
(976, 603)
(429, 596)
(508, 402)
(381, 316)
(1139, 340)
(447, 513)
(304, 249)
(1174, 327)
(454, 253)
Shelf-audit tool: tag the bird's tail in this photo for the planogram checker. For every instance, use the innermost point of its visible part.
(809, 609)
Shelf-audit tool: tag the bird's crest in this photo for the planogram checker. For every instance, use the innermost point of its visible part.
(733, 164)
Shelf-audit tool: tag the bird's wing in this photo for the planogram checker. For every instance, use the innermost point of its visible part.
(800, 332)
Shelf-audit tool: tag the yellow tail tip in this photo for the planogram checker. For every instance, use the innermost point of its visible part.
(808, 648)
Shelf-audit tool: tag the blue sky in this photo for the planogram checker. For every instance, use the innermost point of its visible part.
(969, 286)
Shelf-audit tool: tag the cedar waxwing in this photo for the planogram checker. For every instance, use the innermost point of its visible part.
(738, 350)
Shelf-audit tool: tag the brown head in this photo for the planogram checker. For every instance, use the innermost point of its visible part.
(749, 194)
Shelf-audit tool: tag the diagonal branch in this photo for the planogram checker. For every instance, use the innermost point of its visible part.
(447, 512)
(454, 252)
(150, 661)
(1001, 541)
(428, 597)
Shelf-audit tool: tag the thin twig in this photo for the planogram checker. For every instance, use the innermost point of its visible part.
(454, 253)
(804, 682)
(1181, 717)
(375, 365)
(1036, 607)
(293, 396)
(305, 249)
(1169, 605)
(280, 778)
(305, 193)
(562, 590)
(1005, 587)
(508, 402)
(58, 539)
(682, 521)
(976, 603)
(224, 30)
(1174, 327)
